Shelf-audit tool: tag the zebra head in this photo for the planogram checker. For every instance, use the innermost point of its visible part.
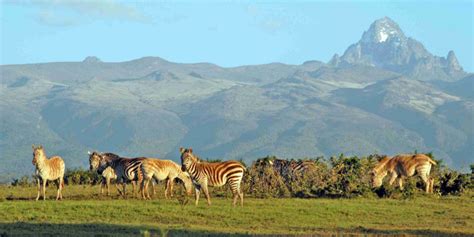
(37, 153)
(379, 172)
(187, 158)
(94, 160)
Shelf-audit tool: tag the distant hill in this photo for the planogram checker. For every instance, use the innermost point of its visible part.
(386, 94)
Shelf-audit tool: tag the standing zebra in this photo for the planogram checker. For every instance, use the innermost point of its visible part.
(126, 169)
(107, 174)
(48, 169)
(161, 170)
(402, 166)
(213, 174)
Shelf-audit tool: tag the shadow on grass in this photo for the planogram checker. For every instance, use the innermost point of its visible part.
(45, 229)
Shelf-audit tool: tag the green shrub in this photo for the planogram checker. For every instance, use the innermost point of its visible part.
(81, 176)
(23, 181)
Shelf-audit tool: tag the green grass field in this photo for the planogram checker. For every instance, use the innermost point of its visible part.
(84, 212)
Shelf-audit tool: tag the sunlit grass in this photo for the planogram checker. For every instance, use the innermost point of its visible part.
(83, 212)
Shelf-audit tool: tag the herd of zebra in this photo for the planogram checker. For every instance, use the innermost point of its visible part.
(198, 174)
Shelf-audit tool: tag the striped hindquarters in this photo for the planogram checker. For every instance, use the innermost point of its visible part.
(220, 173)
(131, 168)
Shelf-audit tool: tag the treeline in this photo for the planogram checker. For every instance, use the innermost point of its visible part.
(336, 177)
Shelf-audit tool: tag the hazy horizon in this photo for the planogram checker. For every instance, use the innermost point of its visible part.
(225, 34)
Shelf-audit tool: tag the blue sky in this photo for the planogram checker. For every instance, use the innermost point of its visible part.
(227, 34)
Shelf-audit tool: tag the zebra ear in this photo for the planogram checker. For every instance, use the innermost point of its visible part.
(40, 146)
(190, 150)
(181, 150)
(33, 146)
(89, 152)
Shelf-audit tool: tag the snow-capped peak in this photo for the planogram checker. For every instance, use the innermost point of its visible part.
(382, 30)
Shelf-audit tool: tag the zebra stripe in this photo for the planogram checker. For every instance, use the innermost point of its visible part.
(48, 169)
(217, 174)
(288, 167)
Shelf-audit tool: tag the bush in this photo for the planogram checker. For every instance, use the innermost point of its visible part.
(81, 176)
(452, 182)
(24, 181)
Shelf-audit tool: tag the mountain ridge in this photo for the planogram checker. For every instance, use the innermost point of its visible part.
(150, 107)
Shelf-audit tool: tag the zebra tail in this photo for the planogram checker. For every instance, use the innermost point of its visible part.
(432, 161)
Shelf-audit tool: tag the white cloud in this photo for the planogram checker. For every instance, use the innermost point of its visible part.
(64, 12)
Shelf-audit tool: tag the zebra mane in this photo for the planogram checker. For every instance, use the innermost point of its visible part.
(111, 155)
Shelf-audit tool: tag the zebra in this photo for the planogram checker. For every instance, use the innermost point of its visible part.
(161, 170)
(216, 174)
(48, 169)
(401, 166)
(126, 169)
(107, 174)
(286, 168)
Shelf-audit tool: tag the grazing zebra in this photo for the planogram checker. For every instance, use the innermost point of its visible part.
(48, 169)
(161, 170)
(216, 174)
(107, 174)
(126, 169)
(402, 166)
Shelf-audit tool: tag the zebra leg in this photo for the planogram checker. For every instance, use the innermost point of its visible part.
(58, 182)
(61, 189)
(153, 188)
(240, 193)
(146, 182)
(206, 192)
(134, 183)
(44, 189)
(235, 195)
(426, 180)
(167, 188)
(400, 183)
(118, 188)
(39, 188)
(124, 185)
(107, 185)
(171, 187)
(198, 191)
(102, 184)
(393, 177)
(431, 185)
(235, 187)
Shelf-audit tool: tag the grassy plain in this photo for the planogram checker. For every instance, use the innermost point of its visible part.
(85, 213)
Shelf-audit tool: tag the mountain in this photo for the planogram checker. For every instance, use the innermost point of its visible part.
(384, 45)
(387, 94)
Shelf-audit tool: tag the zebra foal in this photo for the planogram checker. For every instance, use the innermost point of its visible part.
(216, 174)
(107, 174)
(48, 169)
